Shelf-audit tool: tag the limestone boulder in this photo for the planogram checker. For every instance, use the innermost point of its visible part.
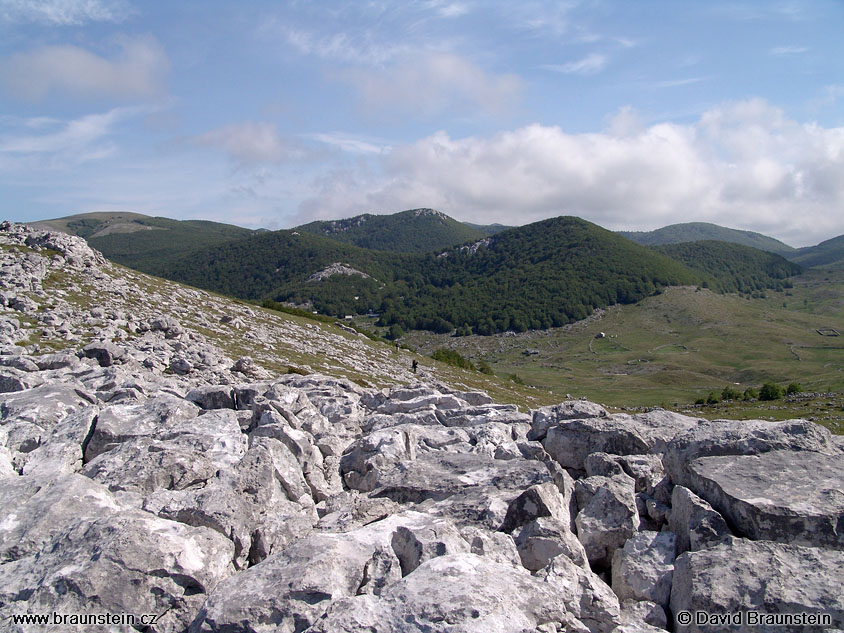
(125, 562)
(608, 516)
(571, 441)
(784, 496)
(747, 437)
(741, 576)
(643, 568)
(695, 523)
(456, 592)
(543, 539)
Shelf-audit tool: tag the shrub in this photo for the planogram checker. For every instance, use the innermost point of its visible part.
(750, 394)
(793, 388)
(516, 379)
(450, 357)
(770, 391)
(484, 368)
(730, 393)
(713, 398)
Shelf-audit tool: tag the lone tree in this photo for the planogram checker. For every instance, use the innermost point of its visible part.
(770, 391)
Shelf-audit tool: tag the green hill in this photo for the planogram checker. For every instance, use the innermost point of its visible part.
(541, 275)
(828, 254)
(696, 231)
(140, 241)
(413, 231)
(733, 267)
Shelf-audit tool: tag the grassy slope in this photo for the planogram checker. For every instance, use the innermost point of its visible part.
(679, 346)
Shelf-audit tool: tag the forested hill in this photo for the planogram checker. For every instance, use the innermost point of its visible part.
(413, 231)
(141, 241)
(733, 267)
(697, 231)
(828, 254)
(537, 276)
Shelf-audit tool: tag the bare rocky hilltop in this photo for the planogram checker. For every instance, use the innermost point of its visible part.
(149, 465)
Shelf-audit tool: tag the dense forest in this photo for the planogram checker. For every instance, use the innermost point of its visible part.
(733, 267)
(413, 231)
(537, 276)
(545, 274)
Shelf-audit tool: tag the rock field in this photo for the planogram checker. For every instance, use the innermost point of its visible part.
(145, 469)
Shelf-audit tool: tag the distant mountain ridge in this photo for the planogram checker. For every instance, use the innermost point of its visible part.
(697, 231)
(828, 254)
(140, 241)
(540, 275)
(411, 231)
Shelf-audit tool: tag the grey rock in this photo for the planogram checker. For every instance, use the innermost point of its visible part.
(12, 379)
(545, 538)
(126, 562)
(608, 516)
(29, 416)
(105, 353)
(421, 538)
(635, 612)
(212, 397)
(180, 365)
(602, 464)
(62, 451)
(695, 522)
(457, 592)
(545, 417)
(785, 496)
(746, 437)
(765, 577)
(468, 488)
(571, 441)
(293, 588)
(543, 500)
(495, 545)
(34, 511)
(586, 597)
(23, 363)
(643, 568)
(119, 423)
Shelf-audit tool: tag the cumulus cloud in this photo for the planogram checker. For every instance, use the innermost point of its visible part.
(251, 143)
(137, 72)
(63, 12)
(433, 83)
(743, 165)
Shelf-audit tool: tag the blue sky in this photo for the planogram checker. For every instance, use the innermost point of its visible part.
(632, 115)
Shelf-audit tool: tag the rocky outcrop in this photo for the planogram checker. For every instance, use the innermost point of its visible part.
(145, 470)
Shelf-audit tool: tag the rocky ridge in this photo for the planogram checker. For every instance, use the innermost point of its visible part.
(146, 470)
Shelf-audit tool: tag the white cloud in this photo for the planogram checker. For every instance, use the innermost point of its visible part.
(353, 143)
(789, 50)
(432, 83)
(63, 12)
(589, 65)
(251, 143)
(742, 165)
(137, 72)
(673, 83)
(62, 143)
